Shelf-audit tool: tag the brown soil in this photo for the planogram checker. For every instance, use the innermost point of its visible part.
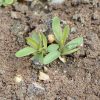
(77, 79)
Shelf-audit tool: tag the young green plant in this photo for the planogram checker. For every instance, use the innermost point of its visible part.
(6, 2)
(61, 48)
(37, 46)
(61, 36)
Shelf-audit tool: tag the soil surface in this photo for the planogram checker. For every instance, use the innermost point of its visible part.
(77, 79)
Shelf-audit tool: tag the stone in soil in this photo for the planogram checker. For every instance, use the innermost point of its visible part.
(35, 88)
(93, 45)
(76, 17)
(70, 98)
(95, 16)
(76, 2)
(37, 65)
(21, 7)
(73, 30)
(18, 29)
(57, 1)
(15, 15)
(43, 76)
(79, 18)
(85, 1)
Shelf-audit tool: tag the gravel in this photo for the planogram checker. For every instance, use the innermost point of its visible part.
(21, 8)
(36, 89)
(15, 15)
(95, 16)
(56, 1)
(76, 2)
(73, 30)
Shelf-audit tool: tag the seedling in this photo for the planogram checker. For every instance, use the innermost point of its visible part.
(6, 2)
(61, 37)
(37, 46)
(61, 48)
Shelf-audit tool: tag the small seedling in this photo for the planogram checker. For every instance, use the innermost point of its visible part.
(61, 48)
(61, 37)
(37, 46)
(6, 2)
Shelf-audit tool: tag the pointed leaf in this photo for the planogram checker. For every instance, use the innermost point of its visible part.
(40, 40)
(67, 52)
(31, 42)
(51, 57)
(35, 37)
(57, 28)
(52, 47)
(25, 51)
(40, 37)
(44, 41)
(74, 43)
(7, 2)
(65, 34)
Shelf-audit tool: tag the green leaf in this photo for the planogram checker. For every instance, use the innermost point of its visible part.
(1, 2)
(44, 41)
(74, 43)
(67, 52)
(52, 47)
(40, 40)
(65, 34)
(57, 28)
(51, 57)
(35, 37)
(40, 58)
(7, 2)
(25, 51)
(40, 37)
(31, 42)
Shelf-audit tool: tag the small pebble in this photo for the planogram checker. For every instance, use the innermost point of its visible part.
(18, 78)
(75, 2)
(63, 59)
(20, 7)
(81, 19)
(85, 1)
(45, 69)
(95, 16)
(35, 88)
(76, 17)
(37, 65)
(51, 38)
(15, 15)
(56, 1)
(43, 76)
(36, 62)
(70, 98)
(73, 30)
